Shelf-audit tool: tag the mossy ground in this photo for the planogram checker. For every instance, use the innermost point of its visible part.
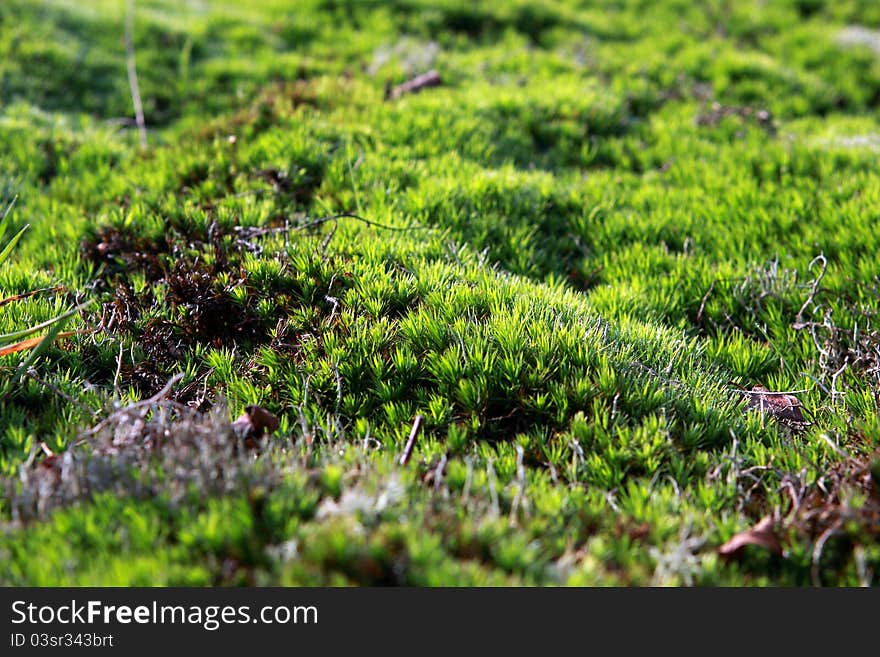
(611, 219)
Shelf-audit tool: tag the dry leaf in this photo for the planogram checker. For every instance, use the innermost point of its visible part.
(27, 295)
(762, 534)
(30, 343)
(779, 405)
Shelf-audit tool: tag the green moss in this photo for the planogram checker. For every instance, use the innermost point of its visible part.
(570, 259)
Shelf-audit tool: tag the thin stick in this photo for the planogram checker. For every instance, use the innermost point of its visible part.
(259, 232)
(326, 243)
(468, 480)
(27, 295)
(411, 441)
(834, 390)
(814, 286)
(166, 388)
(132, 74)
(145, 404)
(834, 446)
(703, 302)
(338, 387)
(438, 475)
(818, 383)
(768, 393)
(520, 497)
(652, 372)
(430, 79)
(31, 373)
(817, 550)
(493, 491)
(118, 369)
(335, 303)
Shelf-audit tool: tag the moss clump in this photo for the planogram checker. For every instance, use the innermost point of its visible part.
(572, 258)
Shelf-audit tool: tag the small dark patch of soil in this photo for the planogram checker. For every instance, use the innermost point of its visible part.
(301, 191)
(275, 102)
(717, 112)
(121, 251)
(209, 313)
(197, 294)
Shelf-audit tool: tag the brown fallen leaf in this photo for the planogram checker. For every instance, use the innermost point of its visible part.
(779, 405)
(762, 534)
(27, 295)
(30, 343)
(253, 423)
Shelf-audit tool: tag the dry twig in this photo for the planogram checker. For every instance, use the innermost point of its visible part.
(411, 441)
(132, 74)
(430, 79)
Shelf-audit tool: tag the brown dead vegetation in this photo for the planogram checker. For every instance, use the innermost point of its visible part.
(842, 503)
(840, 507)
(147, 449)
(778, 405)
(197, 293)
(276, 101)
(119, 251)
(717, 112)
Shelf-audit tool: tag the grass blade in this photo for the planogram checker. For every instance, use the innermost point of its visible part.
(37, 351)
(11, 245)
(6, 214)
(30, 343)
(33, 329)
